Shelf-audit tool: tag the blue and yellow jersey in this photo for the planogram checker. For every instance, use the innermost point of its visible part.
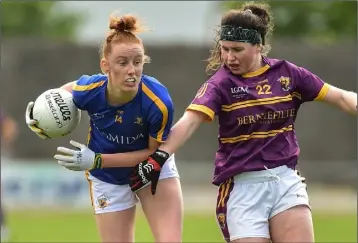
(123, 128)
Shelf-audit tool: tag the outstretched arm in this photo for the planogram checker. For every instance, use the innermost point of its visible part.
(345, 100)
(205, 105)
(129, 159)
(149, 170)
(179, 134)
(183, 130)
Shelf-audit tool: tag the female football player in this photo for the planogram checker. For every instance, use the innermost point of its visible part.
(129, 112)
(261, 198)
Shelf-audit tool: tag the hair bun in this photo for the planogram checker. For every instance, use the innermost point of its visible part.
(260, 10)
(117, 25)
(126, 23)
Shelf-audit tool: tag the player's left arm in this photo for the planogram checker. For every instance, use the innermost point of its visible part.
(82, 158)
(343, 99)
(311, 88)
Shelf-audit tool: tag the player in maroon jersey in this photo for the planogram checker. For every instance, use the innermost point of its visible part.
(261, 198)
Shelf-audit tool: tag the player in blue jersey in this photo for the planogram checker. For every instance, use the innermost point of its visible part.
(130, 116)
(8, 132)
(261, 198)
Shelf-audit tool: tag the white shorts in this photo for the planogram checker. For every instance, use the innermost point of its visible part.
(247, 201)
(106, 197)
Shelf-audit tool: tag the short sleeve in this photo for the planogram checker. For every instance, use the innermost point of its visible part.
(309, 86)
(160, 118)
(85, 88)
(207, 100)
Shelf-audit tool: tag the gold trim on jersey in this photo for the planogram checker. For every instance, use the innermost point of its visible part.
(162, 107)
(90, 188)
(202, 108)
(297, 95)
(323, 92)
(88, 87)
(89, 135)
(201, 91)
(257, 72)
(156, 139)
(224, 192)
(253, 135)
(250, 103)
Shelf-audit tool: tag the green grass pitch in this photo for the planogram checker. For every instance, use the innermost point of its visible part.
(50, 226)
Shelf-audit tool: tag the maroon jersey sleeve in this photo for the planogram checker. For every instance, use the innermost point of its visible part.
(309, 86)
(207, 100)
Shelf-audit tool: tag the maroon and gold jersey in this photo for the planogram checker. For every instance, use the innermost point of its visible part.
(256, 115)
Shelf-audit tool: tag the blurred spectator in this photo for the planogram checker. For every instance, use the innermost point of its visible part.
(8, 135)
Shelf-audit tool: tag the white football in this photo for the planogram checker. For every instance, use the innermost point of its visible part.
(56, 113)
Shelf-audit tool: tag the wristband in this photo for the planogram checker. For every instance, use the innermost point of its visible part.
(160, 156)
(97, 164)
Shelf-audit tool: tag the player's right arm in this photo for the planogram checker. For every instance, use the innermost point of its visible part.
(81, 98)
(68, 86)
(32, 123)
(203, 108)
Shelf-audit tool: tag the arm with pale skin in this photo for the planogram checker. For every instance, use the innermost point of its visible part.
(129, 159)
(183, 130)
(178, 135)
(344, 100)
(311, 87)
(68, 86)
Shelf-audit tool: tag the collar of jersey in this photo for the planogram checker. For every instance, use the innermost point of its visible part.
(259, 71)
(131, 101)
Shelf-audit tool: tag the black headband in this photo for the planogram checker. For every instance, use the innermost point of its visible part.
(239, 34)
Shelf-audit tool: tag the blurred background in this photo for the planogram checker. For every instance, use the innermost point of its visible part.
(45, 44)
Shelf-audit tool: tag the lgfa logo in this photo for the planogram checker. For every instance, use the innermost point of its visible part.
(239, 92)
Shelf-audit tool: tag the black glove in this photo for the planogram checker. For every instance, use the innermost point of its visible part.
(148, 171)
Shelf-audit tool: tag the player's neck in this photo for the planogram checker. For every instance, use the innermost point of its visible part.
(257, 65)
(116, 97)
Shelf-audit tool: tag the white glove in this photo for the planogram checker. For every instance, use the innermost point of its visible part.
(78, 159)
(31, 123)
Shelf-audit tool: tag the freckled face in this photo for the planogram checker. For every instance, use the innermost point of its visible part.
(124, 65)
